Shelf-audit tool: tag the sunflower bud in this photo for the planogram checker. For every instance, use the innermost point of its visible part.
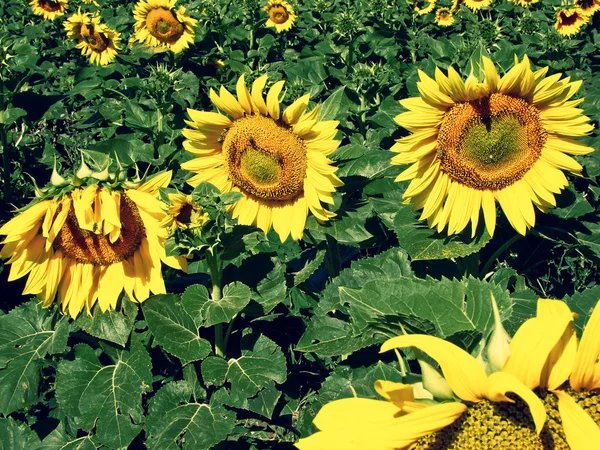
(434, 382)
(56, 179)
(101, 176)
(84, 171)
(498, 349)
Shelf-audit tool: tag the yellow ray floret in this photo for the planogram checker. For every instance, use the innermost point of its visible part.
(569, 21)
(277, 159)
(478, 142)
(90, 245)
(281, 15)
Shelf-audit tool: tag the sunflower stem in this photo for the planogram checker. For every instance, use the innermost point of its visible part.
(498, 252)
(5, 150)
(334, 255)
(216, 271)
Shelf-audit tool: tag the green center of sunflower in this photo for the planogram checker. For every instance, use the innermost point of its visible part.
(491, 143)
(49, 5)
(87, 247)
(164, 26)
(265, 158)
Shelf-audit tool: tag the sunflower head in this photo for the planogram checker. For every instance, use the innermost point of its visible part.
(184, 213)
(49, 9)
(423, 7)
(496, 139)
(281, 15)
(588, 7)
(476, 5)
(159, 24)
(276, 160)
(98, 42)
(74, 24)
(444, 17)
(570, 21)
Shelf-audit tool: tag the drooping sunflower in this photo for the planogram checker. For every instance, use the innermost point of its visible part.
(444, 17)
(277, 160)
(570, 21)
(588, 7)
(426, 9)
(89, 244)
(49, 9)
(477, 142)
(96, 40)
(546, 356)
(158, 24)
(184, 213)
(281, 15)
(476, 5)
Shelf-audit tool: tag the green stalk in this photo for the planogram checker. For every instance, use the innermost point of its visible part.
(216, 271)
(498, 252)
(334, 255)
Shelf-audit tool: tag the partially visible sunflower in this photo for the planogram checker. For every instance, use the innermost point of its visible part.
(281, 15)
(476, 5)
(49, 9)
(158, 24)
(74, 24)
(570, 21)
(475, 143)
(426, 9)
(184, 213)
(90, 2)
(588, 7)
(524, 3)
(96, 40)
(546, 356)
(277, 160)
(90, 244)
(444, 17)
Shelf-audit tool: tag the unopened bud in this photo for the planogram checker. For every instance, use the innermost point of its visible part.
(434, 382)
(498, 349)
(56, 179)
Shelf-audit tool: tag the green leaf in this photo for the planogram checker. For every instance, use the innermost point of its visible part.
(27, 334)
(214, 371)
(272, 288)
(174, 329)
(175, 422)
(113, 326)
(329, 109)
(384, 117)
(11, 115)
(309, 268)
(589, 236)
(106, 397)
(60, 440)
(420, 241)
(208, 312)
(571, 205)
(347, 228)
(583, 303)
(17, 436)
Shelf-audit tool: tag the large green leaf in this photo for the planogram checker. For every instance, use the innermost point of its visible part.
(27, 334)
(17, 436)
(176, 422)
(107, 398)
(60, 440)
(174, 329)
(583, 303)
(272, 288)
(207, 312)
(113, 326)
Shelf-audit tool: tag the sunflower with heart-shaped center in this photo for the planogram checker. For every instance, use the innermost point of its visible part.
(475, 143)
(49, 9)
(588, 7)
(569, 21)
(281, 15)
(83, 245)
(423, 7)
(277, 160)
(159, 24)
(444, 17)
(96, 41)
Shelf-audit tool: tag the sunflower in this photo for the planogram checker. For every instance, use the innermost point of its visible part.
(546, 356)
(158, 24)
(75, 23)
(49, 9)
(95, 40)
(278, 161)
(588, 7)
(281, 15)
(474, 143)
(90, 244)
(524, 3)
(570, 21)
(476, 5)
(394, 423)
(184, 213)
(426, 9)
(444, 17)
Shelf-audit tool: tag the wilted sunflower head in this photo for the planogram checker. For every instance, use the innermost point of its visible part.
(98, 42)
(277, 160)
(49, 9)
(489, 140)
(83, 244)
(158, 24)
(570, 21)
(444, 17)
(281, 15)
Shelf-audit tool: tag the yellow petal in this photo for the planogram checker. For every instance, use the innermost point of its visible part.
(273, 105)
(243, 95)
(257, 96)
(585, 370)
(581, 431)
(157, 181)
(292, 113)
(464, 375)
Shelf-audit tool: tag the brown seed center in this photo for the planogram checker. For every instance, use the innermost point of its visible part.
(163, 25)
(96, 41)
(278, 14)
(87, 247)
(567, 18)
(49, 5)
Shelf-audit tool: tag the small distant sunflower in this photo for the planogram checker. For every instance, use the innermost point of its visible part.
(426, 9)
(158, 24)
(476, 5)
(49, 9)
(74, 24)
(281, 15)
(477, 142)
(570, 21)
(588, 7)
(444, 17)
(96, 41)
(277, 160)
(524, 3)
(184, 213)
(90, 244)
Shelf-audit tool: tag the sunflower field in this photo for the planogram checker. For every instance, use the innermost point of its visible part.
(310, 225)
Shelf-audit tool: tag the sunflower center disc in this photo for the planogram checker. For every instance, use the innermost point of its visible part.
(96, 41)
(49, 5)
(278, 14)
(568, 18)
(87, 247)
(490, 143)
(265, 159)
(163, 25)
